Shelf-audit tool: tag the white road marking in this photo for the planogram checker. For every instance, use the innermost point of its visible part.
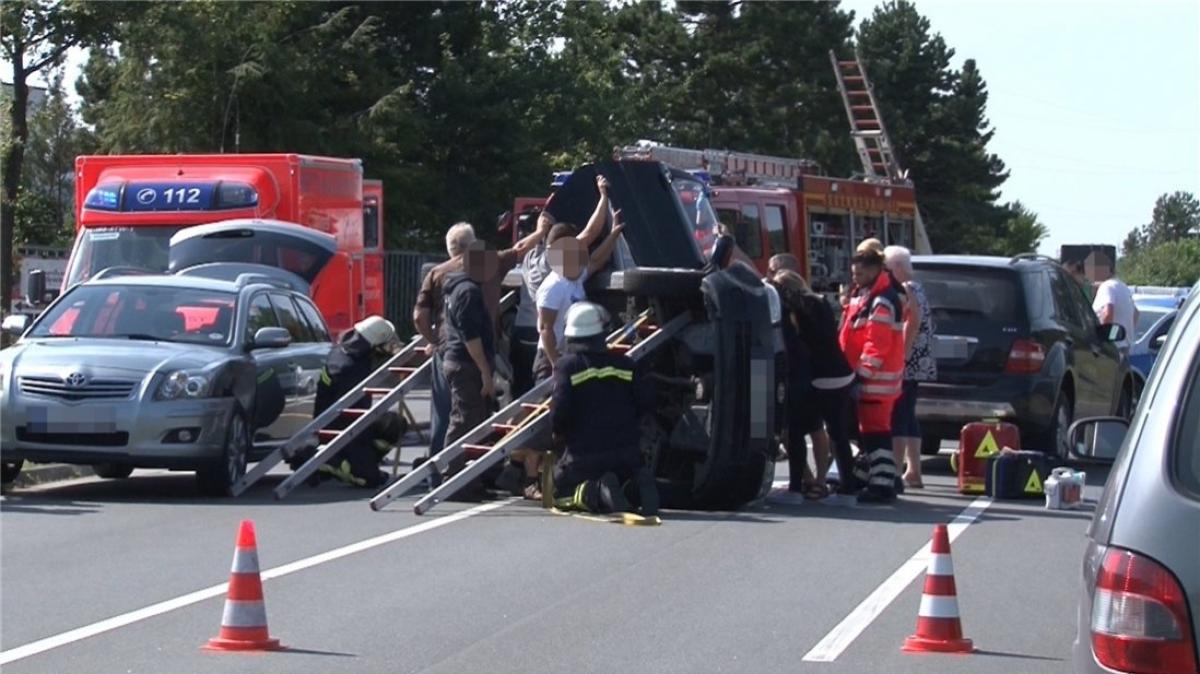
(80, 633)
(840, 637)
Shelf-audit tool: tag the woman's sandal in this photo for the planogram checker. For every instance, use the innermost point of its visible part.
(815, 492)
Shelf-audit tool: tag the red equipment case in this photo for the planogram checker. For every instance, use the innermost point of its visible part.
(979, 441)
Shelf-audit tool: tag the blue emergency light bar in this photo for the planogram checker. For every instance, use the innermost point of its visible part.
(141, 197)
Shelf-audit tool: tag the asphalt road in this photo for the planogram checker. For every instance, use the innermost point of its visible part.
(508, 587)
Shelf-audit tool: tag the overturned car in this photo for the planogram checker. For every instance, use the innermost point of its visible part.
(720, 379)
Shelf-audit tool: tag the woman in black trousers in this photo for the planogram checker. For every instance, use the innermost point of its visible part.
(828, 398)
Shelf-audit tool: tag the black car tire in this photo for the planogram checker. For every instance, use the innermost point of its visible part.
(9, 470)
(1053, 441)
(218, 477)
(668, 283)
(112, 471)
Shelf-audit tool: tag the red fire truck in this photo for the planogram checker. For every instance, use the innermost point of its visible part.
(782, 205)
(128, 207)
(778, 205)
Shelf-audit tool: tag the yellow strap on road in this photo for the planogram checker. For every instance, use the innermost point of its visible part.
(628, 519)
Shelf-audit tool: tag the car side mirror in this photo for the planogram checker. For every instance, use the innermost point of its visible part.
(271, 338)
(35, 286)
(15, 325)
(1159, 342)
(1097, 439)
(1111, 332)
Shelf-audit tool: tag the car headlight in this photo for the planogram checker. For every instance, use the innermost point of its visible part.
(183, 384)
(775, 304)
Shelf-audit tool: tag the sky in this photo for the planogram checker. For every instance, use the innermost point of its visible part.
(1095, 104)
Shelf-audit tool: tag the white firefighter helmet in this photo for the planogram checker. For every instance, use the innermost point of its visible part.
(585, 319)
(378, 331)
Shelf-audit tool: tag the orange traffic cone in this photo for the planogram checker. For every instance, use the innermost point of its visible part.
(938, 627)
(244, 622)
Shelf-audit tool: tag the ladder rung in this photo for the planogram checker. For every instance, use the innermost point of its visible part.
(505, 427)
(403, 369)
(620, 347)
(354, 411)
(847, 63)
(378, 391)
(858, 92)
(328, 433)
(857, 78)
(531, 406)
(863, 107)
(477, 448)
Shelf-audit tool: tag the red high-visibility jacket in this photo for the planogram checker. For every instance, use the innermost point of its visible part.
(872, 337)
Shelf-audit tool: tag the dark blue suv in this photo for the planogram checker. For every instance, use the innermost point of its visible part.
(1017, 340)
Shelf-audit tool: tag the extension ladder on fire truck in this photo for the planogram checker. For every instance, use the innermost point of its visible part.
(871, 139)
(725, 164)
(516, 424)
(866, 124)
(410, 364)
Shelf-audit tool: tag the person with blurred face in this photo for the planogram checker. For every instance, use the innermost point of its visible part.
(470, 351)
(919, 365)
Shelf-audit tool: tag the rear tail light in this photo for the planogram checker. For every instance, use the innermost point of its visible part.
(1026, 357)
(1140, 617)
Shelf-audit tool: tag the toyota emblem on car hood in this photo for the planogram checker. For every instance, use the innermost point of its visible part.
(76, 380)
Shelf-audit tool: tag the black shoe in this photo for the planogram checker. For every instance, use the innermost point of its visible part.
(875, 496)
(899, 485)
(612, 496)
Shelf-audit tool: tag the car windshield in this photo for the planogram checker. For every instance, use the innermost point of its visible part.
(1147, 317)
(99, 248)
(142, 312)
(698, 208)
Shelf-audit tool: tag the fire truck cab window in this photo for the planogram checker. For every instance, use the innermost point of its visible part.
(749, 233)
(900, 233)
(775, 229)
(868, 227)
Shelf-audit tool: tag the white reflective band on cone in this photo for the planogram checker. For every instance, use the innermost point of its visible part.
(934, 606)
(246, 614)
(940, 564)
(245, 561)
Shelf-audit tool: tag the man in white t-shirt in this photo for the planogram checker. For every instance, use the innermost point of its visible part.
(563, 287)
(1114, 305)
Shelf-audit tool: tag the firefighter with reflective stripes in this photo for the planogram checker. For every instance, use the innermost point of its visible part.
(872, 338)
(361, 352)
(599, 399)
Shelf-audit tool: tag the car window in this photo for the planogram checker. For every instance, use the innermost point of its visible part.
(1187, 434)
(1146, 319)
(261, 315)
(290, 319)
(776, 233)
(141, 312)
(958, 295)
(314, 320)
(750, 231)
(1039, 298)
(1066, 301)
(371, 226)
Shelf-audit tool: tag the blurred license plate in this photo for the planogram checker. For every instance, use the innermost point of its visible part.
(88, 419)
(953, 348)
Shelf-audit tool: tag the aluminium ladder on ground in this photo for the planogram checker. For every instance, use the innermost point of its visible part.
(411, 364)
(871, 139)
(516, 425)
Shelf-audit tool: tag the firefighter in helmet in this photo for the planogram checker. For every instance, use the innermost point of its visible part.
(599, 399)
(361, 351)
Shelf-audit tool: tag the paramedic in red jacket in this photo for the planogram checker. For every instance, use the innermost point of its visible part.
(872, 338)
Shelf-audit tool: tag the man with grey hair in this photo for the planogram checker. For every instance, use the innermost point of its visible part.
(783, 262)
(429, 311)
(919, 365)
